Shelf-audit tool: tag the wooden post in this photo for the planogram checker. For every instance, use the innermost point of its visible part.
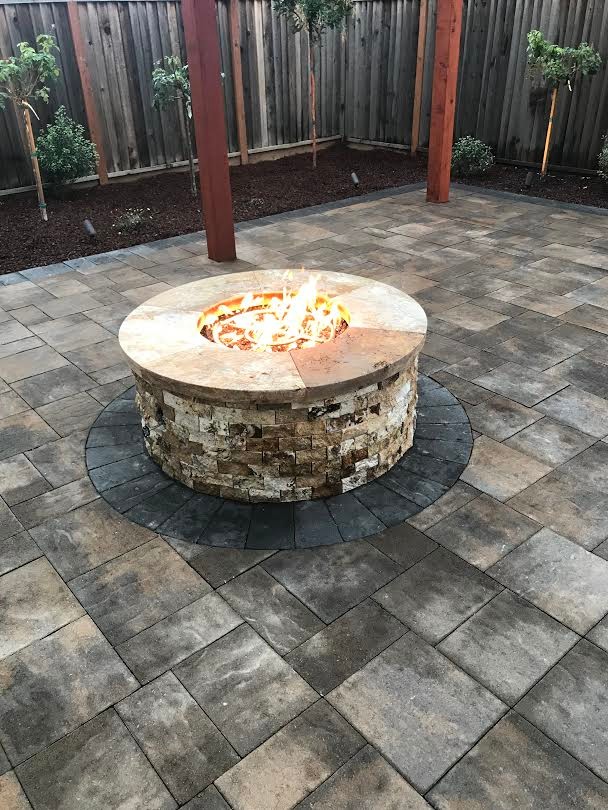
(443, 105)
(422, 18)
(543, 170)
(202, 46)
(87, 91)
(29, 134)
(237, 80)
(313, 98)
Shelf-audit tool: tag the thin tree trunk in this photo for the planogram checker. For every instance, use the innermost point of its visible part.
(543, 170)
(29, 133)
(313, 98)
(188, 122)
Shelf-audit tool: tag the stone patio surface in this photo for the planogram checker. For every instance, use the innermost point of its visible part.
(456, 661)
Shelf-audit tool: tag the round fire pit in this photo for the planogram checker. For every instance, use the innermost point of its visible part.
(229, 411)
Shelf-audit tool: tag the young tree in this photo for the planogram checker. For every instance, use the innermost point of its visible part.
(170, 83)
(557, 66)
(314, 17)
(24, 79)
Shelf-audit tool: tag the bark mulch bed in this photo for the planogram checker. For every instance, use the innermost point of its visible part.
(258, 190)
(570, 188)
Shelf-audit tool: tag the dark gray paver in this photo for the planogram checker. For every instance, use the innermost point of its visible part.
(579, 409)
(521, 384)
(270, 692)
(77, 671)
(20, 480)
(98, 766)
(160, 647)
(317, 576)
(136, 590)
(570, 705)
(209, 799)
(500, 418)
(53, 385)
(55, 502)
(87, 537)
(403, 544)
(515, 765)
(347, 644)
(508, 645)
(417, 708)
(273, 776)
(438, 593)
(220, 565)
(271, 610)
(23, 431)
(34, 602)
(365, 782)
(183, 745)
(558, 576)
(483, 531)
(9, 525)
(17, 550)
(550, 442)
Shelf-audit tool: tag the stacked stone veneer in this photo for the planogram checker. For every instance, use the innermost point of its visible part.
(280, 452)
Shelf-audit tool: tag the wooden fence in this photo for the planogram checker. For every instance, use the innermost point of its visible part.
(366, 77)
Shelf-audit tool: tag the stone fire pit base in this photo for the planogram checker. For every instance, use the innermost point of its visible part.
(275, 453)
(132, 483)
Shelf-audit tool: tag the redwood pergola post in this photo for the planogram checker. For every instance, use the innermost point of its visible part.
(443, 104)
(202, 46)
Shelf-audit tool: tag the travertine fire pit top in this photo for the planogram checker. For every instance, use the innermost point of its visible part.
(162, 341)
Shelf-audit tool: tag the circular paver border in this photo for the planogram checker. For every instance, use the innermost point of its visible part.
(132, 483)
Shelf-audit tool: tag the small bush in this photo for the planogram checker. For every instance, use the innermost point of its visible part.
(132, 219)
(602, 158)
(471, 156)
(64, 151)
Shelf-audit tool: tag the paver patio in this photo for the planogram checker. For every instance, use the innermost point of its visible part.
(456, 661)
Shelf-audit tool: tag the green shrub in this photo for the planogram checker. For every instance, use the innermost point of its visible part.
(471, 156)
(64, 151)
(602, 159)
(132, 219)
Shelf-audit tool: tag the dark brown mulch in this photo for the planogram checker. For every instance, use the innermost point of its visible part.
(258, 190)
(570, 188)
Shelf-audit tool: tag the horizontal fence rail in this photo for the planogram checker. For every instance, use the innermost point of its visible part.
(366, 78)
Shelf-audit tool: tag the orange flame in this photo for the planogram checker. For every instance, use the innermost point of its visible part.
(266, 322)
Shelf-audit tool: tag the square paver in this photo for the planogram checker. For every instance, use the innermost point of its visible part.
(271, 610)
(97, 767)
(501, 471)
(483, 531)
(437, 594)
(570, 705)
(508, 645)
(209, 799)
(173, 639)
(365, 782)
(34, 602)
(292, 763)
(246, 689)
(87, 537)
(417, 708)
(559, 577)
(183, 745)
(61, 461)
(472, 317)
(138, 589)
(346, 645)
(26, 364)
(76, 671)
(52, 385)
(516, 766)
(550, 442)
(332, 579)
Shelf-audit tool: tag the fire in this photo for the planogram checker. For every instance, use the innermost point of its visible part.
(276, 321)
